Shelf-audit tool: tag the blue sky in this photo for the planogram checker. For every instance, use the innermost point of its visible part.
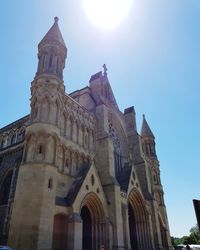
(153, 61)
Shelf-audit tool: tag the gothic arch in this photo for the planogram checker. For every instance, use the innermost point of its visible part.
(93, 217)
(69, 127)
(51, 148)
(57, 104)
(75, 131)
(138, 222)
(116, 121)
(13, 136)
(60, 157)
(34, 108)
(40, 149)
(63, 121)
(5, 188)
(67, 161)
(29, 147)
(45, 109)
(4, 140)
(21, 133)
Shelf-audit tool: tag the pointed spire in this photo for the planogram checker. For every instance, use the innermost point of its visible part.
(146, 131)
(54, 34)
(52, 52)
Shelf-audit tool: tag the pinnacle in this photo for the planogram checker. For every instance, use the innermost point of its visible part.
(54, 34)
(56, 19)
(146, 131)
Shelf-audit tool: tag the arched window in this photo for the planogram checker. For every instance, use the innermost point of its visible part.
(13, 139)
(20, 135)
(40, 149)
(117, 148)
(67, 163)
(3, 142)
(50, 61)
(5, 189)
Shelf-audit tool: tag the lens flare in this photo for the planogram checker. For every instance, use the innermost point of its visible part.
(107, 14)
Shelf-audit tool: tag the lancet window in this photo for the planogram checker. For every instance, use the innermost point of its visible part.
(117, 148)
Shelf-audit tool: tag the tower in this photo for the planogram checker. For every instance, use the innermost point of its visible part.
(33, 211)
(160, 221)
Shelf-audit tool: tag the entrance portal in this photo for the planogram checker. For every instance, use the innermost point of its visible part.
(132, 228)
(93, 223)
(87, 229)
(5, 189)
(140, 237)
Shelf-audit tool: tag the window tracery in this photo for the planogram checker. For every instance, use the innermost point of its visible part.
(117, 148)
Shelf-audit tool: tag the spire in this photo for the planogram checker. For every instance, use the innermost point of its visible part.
(53, 34)
(52, 52)
(146, 131)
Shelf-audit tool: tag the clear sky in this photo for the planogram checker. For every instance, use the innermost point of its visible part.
(153, 61)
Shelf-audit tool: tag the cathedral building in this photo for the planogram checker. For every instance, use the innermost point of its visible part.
(75, 174)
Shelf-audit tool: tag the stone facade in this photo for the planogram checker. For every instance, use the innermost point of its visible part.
(75, 173)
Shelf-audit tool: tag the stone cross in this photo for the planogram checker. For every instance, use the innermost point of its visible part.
(105, 69)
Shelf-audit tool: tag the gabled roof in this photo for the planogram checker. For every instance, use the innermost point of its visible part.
(95, 76)
(54, 34)
(124, 177)
(146, 131)
(104, 89)
(76, 185)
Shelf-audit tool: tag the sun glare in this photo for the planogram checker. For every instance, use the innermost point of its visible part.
(107, 14)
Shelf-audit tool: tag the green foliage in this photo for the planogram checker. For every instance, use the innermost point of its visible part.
(193, 238)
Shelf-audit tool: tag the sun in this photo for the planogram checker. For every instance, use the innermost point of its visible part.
(107, 14)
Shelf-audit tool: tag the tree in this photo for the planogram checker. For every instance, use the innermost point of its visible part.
(193, 238)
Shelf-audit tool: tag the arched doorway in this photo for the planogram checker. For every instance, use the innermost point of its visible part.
(93, 219)
(87, 229)
(5, 189)
(138, 222)
(60, 232)
(132, 228)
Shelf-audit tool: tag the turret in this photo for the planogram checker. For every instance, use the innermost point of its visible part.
(52, 52)
(148, 139)
(42, 158)
(48, 83)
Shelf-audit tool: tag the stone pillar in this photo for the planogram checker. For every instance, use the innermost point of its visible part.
(80, 136)
(90, 139)
(115, 215)
(108, 236)
(152, 244)
(73, 166)
(75, 232)
(127, 243)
